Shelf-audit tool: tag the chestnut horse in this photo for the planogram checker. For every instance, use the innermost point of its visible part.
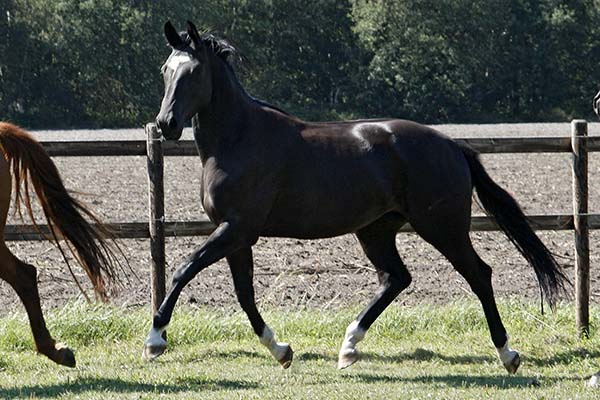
(25, 165)
(267, 173)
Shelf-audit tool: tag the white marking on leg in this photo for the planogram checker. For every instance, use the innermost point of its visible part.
(278, 350)
(354, 334)
(509, 357)
(155, 338)
(348, 354)
(505, 353)
(594, 380)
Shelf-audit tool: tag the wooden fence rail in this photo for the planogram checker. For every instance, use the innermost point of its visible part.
(188, 147)
(578, 144)
(141, 230)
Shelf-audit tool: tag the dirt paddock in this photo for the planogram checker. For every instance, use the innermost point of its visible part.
(315, 274)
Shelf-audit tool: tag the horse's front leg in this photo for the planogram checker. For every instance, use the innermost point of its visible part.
(23, 278)
(241, 265)
(225, 240)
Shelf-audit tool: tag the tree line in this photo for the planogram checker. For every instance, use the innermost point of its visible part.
(95, 63)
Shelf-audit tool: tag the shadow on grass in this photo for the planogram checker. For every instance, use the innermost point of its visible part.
(463, 381)
(117, 386)
(427, 355)
(227, 355)
(562, 358)
(417, 355)
(312, 356)
(501, 381)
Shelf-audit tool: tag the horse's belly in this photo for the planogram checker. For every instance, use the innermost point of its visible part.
(336, 195)
(307, 217)
(314, 229)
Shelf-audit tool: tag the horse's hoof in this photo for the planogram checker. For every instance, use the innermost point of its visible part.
(347, 358)
(287, 358)
(154, 346)
(513, 365)
(65, 355)
(152, 351)
(594, 381)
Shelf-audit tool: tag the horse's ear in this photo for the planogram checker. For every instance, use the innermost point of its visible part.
(172, 36)
(193, 33)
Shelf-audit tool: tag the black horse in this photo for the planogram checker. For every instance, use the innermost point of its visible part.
(267, 173)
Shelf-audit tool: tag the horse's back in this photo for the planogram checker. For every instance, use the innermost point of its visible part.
(398, 149)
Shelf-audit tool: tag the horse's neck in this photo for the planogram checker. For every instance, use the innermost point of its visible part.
(222, 123)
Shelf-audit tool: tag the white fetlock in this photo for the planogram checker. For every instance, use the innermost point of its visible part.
(282, 352)
(154, 345)
(348, 354)
(509, 358)
(594, 381)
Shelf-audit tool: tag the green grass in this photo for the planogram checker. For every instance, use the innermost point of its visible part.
(433, 352)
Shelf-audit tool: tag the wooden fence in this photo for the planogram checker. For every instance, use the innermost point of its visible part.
(578, 144)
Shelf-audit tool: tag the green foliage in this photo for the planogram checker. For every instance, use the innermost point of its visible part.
(303, 54)
(488, 60)
(95, 63)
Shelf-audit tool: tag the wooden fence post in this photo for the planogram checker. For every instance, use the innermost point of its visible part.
(579, 133)
(157, 214)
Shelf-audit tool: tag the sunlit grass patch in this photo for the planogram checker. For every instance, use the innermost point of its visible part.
(410, 352)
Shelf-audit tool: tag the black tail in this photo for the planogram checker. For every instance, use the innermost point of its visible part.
(498, 203)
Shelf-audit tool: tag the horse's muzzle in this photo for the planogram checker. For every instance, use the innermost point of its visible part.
(169, 126)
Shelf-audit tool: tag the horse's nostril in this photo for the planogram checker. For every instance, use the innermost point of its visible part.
(172, 123)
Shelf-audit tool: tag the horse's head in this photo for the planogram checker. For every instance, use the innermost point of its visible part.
(187, 79)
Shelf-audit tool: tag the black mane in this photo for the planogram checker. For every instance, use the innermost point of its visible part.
(220, 47)
(268, 105)
(224, 50)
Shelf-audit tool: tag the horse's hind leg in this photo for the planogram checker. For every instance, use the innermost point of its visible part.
(479, 277)
(22, 277)
(456, 246)
(378, 241)
(241, 266)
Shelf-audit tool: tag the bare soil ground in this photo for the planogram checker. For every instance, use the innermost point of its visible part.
(311, 274)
